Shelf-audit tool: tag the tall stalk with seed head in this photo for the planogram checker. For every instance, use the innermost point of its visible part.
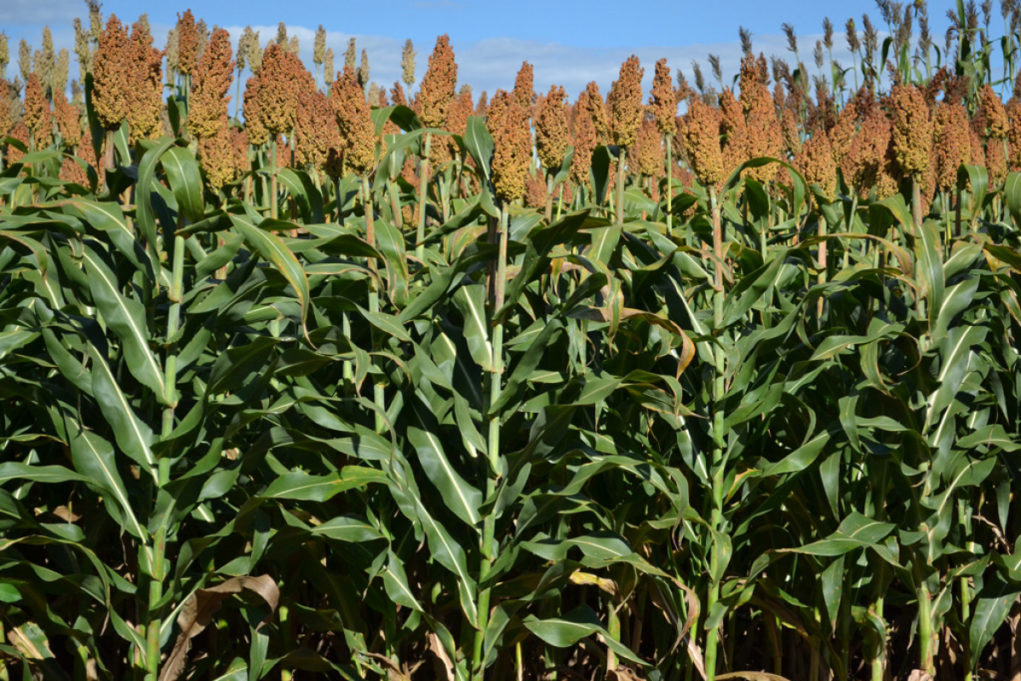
(664, 106)
(434, 98)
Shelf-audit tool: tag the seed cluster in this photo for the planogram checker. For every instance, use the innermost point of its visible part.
(551, 136)
(357, 134)
(512, 146)
(625, 103)
(437, 88)
(208, 105)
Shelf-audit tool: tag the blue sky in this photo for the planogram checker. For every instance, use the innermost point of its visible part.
(569, 43)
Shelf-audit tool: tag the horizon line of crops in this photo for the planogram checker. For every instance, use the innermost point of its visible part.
(435, 388)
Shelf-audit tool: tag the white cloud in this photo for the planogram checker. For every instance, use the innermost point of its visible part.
(486, 65)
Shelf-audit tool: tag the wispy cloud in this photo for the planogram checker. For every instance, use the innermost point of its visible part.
(487, 64)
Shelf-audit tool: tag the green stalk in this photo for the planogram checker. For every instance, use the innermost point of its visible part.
(370, 237)
(719, 388)
(613, 629)
(151, 659)
(423, 193)
(237, 98)
(619, 207)
(966, 596)
(926, 635)
(822, 263)
(916, 203)
(395, 204)
(444, 187)
(669, 140)
(273, 178)
(487, 553)
(549, 198)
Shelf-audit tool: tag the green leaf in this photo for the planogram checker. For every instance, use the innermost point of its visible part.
(855, 532)
(273, 249)
(94, 458)
(127, 318)
(471, 301)
(479, 144)
(460, 497)
(185, 180)
(991, 609)
(300, 485)
(9, 593)
(15, 470)
(565, 631)
(133, 436)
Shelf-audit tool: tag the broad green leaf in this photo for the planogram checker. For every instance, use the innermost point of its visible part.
(272, 248)
(127, 318)
(299, 485)
(568, 629)
(459, 496)
(15, 470)
(185, 180)
(479, 144)
(133, 436)
(855, 532)
(471, 301)
(991, 608)
(95, 460)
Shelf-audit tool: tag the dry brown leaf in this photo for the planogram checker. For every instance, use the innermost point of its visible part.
(624, 674)
(919, 675)
(437, 648)
(695, 653)
(198, 610)
(24, 645)
(752, 676)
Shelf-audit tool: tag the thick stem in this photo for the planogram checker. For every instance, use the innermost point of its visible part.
(669, 183)
(926, 633)
(108, 162)
(549, 198)
(497, 289)
(822, 263)
(916, 204)
(153, 622)
(273, 179)
(619, 207)
(423, 194)
(719, 441)
(714, 208)
(378, 396)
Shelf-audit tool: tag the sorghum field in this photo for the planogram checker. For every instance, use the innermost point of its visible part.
(717, 382)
